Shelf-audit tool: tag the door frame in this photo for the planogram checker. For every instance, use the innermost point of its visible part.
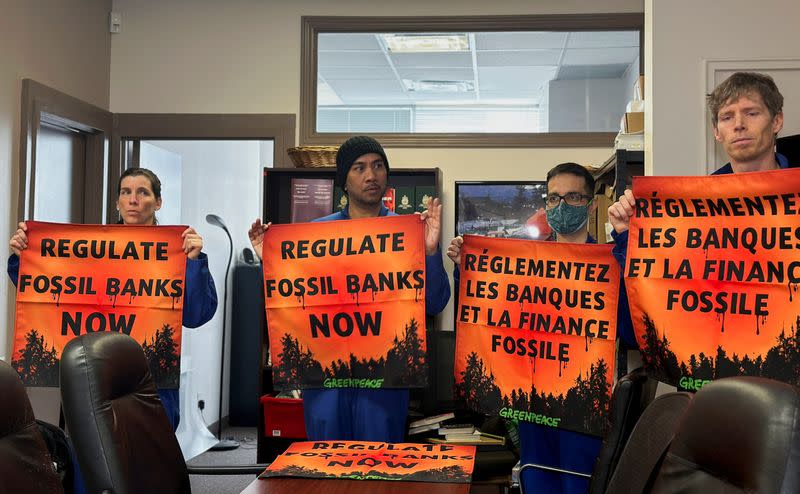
(40, 104)
(278, 127)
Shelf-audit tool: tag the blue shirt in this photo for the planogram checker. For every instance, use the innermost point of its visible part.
(727, 169)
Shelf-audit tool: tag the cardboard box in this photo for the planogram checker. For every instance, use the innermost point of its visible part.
(638, 88)
(605, 198)
(634, 122)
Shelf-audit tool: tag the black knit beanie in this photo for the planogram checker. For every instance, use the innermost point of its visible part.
(351, 150)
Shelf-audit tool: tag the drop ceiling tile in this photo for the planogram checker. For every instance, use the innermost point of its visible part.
(514, 78)
(436, 74)
(438, 59)
(600, 56)
(350, 59)
(611, 71)
(335, 73)
(358, 91)
(519, 41)
(603, 39)
(518, 58)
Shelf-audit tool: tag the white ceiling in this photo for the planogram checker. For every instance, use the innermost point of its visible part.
(356, 69)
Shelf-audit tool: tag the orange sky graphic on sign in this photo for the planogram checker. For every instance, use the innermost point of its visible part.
(66, 283)
(343, 288)
(375, 460)
(713, 263)
(541, 286)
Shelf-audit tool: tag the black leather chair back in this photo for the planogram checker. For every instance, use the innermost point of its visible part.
(632, 394)
(647, 444)
(123, 440)
(739, 434)
(25, 464)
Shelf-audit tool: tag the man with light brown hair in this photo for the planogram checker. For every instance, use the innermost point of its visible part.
(747, 114)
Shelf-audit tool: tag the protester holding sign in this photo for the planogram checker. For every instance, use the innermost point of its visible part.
(713, 268)
(139, 198)
(362, 171)
(570, 189)
(746, 114)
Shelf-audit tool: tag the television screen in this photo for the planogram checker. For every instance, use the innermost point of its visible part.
(502, 209)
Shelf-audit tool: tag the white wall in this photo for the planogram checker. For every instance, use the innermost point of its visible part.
(682, 35)
(168, 168)
(224, 178)
(593, 105)
(64, 45)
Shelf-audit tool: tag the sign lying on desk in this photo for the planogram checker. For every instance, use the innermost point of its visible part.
(536, 329)
(712, 274)
(345, 303)
(357, 460)
(78, 279)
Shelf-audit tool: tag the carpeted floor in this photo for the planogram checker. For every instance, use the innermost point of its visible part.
(245, 454)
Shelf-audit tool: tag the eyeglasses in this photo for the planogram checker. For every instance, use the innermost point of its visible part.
(571, 198)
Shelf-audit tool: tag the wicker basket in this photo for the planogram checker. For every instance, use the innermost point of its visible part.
(313, 156)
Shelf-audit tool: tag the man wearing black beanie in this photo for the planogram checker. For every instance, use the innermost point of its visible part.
(362, 171)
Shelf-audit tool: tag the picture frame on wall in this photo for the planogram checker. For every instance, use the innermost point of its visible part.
(505, 209)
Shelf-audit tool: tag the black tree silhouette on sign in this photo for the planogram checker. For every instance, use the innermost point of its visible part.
(35, 364)
(406, 358)
(477, 388)
(403, 365)
(163, 358)
(586, 404)
(297, 367)
(781, 362)
(583, 408)
(656, 355)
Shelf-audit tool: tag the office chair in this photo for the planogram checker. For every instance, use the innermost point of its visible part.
(648, 441)
(632, 394)
(122, 436)
(738, 435)
(25, 465)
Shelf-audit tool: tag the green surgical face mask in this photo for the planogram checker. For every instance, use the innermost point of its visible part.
(565, 219)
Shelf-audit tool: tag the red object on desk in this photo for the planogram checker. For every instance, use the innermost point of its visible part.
(283, 417)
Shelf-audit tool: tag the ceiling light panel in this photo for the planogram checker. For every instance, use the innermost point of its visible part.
(426, 42)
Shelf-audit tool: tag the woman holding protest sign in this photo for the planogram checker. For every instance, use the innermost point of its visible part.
(138, 200)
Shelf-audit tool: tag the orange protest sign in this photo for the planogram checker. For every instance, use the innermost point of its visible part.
(359, 460)
(712, 273)
(536, 325)
(77, 279)
(345, 303)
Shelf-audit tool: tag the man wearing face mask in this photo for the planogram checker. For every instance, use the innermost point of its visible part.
(569, 202)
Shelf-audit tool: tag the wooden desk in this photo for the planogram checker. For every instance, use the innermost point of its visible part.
(335, 486)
